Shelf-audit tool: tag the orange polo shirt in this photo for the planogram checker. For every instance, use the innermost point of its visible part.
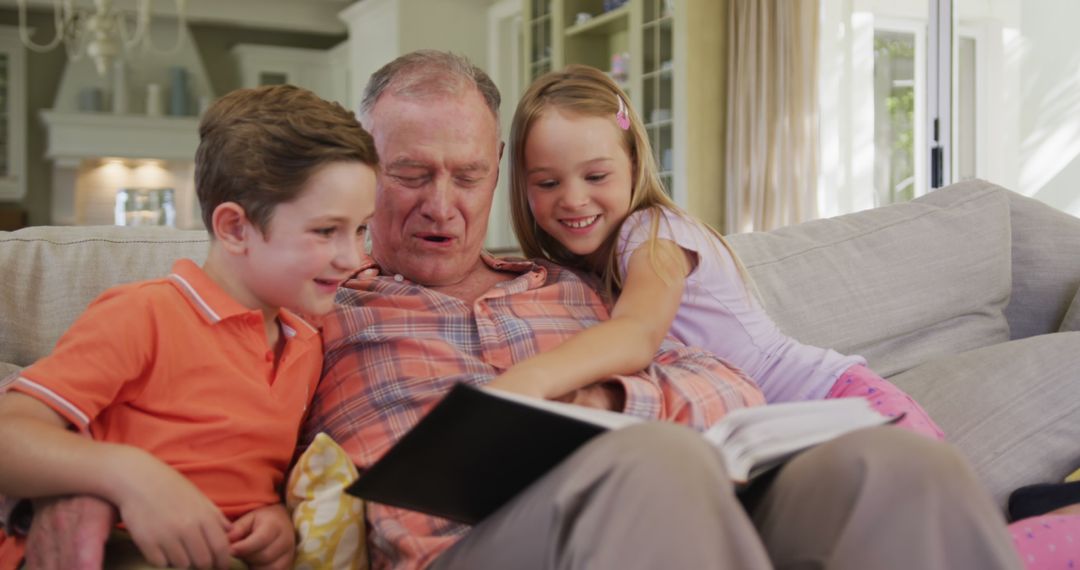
(179, 368)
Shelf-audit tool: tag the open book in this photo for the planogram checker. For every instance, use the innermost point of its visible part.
(480, 447)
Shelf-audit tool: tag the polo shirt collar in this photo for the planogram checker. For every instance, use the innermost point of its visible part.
(216, 305)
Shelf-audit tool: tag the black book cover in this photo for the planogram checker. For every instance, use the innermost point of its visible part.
(473, 452)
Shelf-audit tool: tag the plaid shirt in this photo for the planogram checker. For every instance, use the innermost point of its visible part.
(394, 348)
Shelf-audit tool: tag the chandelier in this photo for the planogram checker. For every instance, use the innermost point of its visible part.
(100, 33)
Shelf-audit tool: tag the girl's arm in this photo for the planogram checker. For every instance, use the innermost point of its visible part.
(624, 344)
(170, 520)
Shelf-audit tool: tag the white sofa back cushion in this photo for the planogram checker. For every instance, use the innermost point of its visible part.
(898, 285)
(52, 273)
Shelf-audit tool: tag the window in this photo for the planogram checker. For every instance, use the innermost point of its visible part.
(894, 116)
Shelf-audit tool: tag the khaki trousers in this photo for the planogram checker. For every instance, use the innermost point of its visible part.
(657, 496)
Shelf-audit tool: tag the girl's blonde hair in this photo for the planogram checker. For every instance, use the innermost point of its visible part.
(584, 90)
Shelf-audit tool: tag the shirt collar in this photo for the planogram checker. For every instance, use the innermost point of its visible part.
(535, 274)
(216, 305)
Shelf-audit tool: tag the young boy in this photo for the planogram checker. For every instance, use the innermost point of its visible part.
(192, 387)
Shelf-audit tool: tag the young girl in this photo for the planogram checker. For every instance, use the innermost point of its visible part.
(586, 195)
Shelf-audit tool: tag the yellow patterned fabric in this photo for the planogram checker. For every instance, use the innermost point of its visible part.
(329, 522)
(1075, 476)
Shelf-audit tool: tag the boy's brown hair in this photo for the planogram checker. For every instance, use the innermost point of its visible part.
(257, 147)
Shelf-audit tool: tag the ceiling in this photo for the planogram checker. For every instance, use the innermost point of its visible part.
(319, 16)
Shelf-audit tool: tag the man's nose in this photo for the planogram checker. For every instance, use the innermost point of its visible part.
(438, 204)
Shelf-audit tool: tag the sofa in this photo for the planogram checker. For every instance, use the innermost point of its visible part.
(967, 298)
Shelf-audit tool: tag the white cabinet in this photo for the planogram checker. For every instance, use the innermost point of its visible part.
(12, 116)
(326, 72)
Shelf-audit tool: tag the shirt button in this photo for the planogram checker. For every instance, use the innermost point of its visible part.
(399, 278)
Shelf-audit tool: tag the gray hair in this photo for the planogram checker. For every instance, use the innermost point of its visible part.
(425, 73)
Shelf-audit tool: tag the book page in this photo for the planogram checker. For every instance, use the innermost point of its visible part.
(809, 412)
(751, 443)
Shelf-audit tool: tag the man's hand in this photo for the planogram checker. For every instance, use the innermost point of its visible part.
(69, 532)
(264, 538)
(602, 395)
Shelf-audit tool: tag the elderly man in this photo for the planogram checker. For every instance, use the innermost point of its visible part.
(647, 497)
(650, 496)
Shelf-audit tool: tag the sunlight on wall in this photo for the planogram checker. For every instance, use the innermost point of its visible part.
(1050, 108)
(846, 96)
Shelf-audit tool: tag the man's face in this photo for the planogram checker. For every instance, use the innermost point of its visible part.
(439, 161)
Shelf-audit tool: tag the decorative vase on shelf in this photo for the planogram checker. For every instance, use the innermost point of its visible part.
(153, 100)
(91, 99)
(119, 88)
(178, 92)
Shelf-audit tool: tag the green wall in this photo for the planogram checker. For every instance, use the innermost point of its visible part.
(214, 43)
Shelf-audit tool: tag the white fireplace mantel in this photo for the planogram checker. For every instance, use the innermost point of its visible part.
(80, 142)
(77, 136)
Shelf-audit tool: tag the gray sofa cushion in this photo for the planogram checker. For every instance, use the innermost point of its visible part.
(1046, 266)
(865, 284)
(54, 272)
(1071, 322)
(1012, 409)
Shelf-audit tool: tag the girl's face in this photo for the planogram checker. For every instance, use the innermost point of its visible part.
(577, 178)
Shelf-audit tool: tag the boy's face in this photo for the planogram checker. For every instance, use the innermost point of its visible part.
(313, 243)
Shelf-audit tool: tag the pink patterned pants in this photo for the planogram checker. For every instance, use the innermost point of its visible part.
(1043, 542)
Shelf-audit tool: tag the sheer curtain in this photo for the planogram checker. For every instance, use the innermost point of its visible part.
(772, 114)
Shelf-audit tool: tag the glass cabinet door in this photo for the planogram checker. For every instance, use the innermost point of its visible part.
(657, 82)
(540, 48)
(5, 112)
(12, 116)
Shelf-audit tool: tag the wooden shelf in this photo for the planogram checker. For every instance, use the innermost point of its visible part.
(665, 23)
(602, 24)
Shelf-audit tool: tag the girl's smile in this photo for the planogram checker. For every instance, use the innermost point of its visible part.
(580, 224)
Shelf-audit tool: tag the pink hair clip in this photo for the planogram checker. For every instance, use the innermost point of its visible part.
(622, 117)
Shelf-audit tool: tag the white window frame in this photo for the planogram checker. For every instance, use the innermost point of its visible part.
(978, 35)
(940, 81)
(921, 142)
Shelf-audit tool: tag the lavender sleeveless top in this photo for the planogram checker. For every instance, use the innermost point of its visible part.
(718, 314)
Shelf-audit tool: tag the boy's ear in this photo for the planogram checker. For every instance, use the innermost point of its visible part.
(231, 227)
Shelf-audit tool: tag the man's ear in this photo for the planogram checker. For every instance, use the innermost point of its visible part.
(231, 227)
